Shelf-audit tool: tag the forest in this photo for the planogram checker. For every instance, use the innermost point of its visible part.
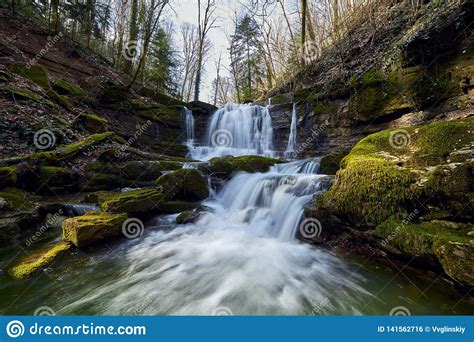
(236, 157)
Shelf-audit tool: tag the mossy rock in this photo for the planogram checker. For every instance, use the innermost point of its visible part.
(35, 73)
(24, 94)
(331, 163)
(384, 172)
(226, 166)
(93, 228)
(66, 152)
(185, 185)
(137, 202)
(184, 216)
(147, 170)
(8, 176)
(63, 87)
(94, 181)
(174, 207)
(28, 266)
(445, 241)
(100, 197)
(16, 199)
(93, 123)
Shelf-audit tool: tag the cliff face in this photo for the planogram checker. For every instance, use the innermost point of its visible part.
(407, 69)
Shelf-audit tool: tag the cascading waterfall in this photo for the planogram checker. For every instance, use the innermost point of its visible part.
(189, 122)
(290, 150)
(237, 130)
(240, 256)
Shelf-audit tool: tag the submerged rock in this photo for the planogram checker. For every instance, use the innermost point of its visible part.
(92, 228)
(37, 262)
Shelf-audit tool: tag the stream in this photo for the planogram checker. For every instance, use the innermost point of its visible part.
(240, 257)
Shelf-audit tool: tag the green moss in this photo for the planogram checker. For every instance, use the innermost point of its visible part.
(420, 239)
(60, 99)
(457, 260)
(167, 100)
(383, 177)
(325, 107)
(331, 163)
(8, 176)
(65, 88)
(16, 198)
(226, 166)
(93, 228)
(35, 73)
(181, 218)
(24, 94)
(93, 123)
(138, 201)
(31, 265)
(184, 184)
(99, 181)
(100, 197)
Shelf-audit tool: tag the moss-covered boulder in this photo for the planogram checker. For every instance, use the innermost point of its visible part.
(399, 173)
(136, 202)
(63, 87)
(386, 171)
(35, 73)
(226, 166)
(93, 123)
(331, 163)
(8, 176)
(184, 185)
(93, 228)
(38, 261)
(24, 94)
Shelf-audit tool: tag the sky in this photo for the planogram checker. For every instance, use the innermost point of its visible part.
(186, 11)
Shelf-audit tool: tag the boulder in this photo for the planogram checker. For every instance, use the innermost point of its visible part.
(137, 202)
(92, 228)
(37, 262)
(184, 185)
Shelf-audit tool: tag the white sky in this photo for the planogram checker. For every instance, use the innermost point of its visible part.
(186, 11)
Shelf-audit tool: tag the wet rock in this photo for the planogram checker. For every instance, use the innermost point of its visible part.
(31, 265)
(184, 185)
(93, 228)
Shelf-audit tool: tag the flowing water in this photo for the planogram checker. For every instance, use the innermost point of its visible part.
(240, 257)
(189, 123)
(237, 130)
(290, 150)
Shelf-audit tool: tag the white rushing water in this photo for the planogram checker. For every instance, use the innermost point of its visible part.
(240, 256)
(189, 123)
(237, 130)
(290, 150)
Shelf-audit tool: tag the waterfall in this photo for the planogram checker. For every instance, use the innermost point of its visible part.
(290, 150)
(189, 122)
(240, 252)
(237, 130)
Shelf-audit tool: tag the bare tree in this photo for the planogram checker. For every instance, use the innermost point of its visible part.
(206, 22)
